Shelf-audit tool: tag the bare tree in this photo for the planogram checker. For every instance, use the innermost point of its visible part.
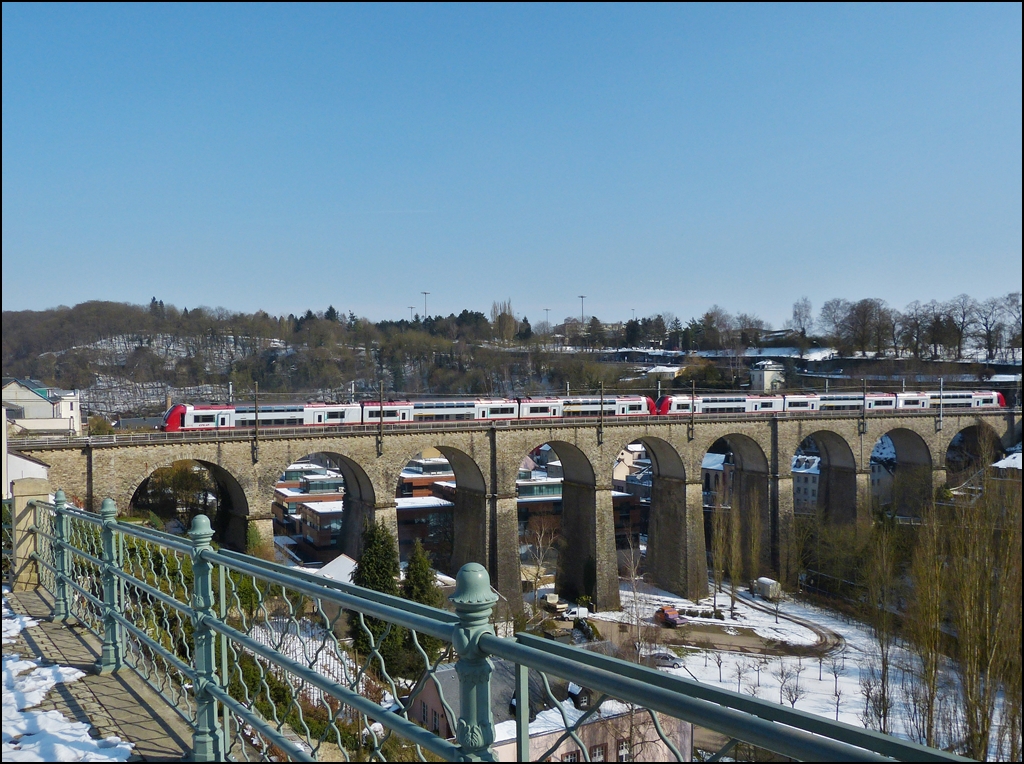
(882, 600)
(740, 670)
(962, 311)
(833, 323)
(989, 325)
(923, 628)
(762, 661)
(542, 540)
(837, 693)
(802, 320)
(793, 692)
(784, 674)
(718, 657)
(984, 573)
(913, 329)
(837, 667)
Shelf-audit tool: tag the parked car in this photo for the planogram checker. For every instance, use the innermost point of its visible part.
(665, 660)
(668, 616)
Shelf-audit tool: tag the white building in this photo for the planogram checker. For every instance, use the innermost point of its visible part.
(806, 471)
(767, 377)
(32, 406)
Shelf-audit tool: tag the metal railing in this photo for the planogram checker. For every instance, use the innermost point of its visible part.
(266, 662)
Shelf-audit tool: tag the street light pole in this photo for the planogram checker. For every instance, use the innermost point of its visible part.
(582, 297)
(411, 309)
(424, 304)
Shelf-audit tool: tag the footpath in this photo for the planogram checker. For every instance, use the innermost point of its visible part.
(120, 703)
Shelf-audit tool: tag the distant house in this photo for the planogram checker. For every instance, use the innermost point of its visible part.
(716, 473)
(17, 465)
(32, 406)
(806, 471)
(767, 377)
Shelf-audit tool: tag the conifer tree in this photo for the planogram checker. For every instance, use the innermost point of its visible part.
(420, 585)
(377, 569)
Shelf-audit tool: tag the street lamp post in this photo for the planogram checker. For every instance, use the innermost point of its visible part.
(424, 304)
(411, 309)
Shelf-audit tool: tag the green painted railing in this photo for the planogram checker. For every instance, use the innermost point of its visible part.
(257, 658)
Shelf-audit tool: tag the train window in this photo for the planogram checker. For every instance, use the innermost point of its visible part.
(539, 409)
(798, 404)
(204, 418)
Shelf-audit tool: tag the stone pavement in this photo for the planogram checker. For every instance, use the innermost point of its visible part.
(119, 704)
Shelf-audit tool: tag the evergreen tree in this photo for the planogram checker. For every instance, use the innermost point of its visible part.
(377, 569)
(331, 314)
(420, 585)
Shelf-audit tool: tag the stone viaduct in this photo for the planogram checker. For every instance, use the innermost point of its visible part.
(486, 460)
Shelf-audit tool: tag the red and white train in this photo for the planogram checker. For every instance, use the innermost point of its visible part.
(185, 417)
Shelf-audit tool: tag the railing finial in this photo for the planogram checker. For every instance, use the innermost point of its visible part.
(201, 532)
(108, 509)
(60, 499)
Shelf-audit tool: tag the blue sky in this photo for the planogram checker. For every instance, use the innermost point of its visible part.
(650, 157)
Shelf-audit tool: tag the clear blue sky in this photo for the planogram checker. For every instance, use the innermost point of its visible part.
(656, 158)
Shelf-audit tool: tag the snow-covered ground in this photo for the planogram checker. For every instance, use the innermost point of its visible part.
(44, 735)
(649, 598)
(833, 687)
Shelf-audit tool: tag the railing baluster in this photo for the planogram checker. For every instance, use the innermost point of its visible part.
(110, 656)
(522, 712)
(473, 600)
(60, 559)
(205, 737)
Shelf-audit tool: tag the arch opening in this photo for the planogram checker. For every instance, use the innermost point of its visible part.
(319, 500)
(970, 452)
(901, 475)
(651, 529)
(169, 497)
(740, 534)
(441, 501)
(825, 479)
(566, 529)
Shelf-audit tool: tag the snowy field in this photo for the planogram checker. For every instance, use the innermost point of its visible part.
(752, 616)
(834, 687)
(44, 735)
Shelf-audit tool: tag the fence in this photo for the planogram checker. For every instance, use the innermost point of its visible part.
(266, 662)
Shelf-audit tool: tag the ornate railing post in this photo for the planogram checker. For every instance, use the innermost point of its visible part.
(110, 656)
(60, 559)
(205, 737)
(473, 600)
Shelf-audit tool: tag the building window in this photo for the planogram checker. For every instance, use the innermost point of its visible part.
(623, 751)
(597, 752)
(571, 756)
(423, 712)
(437, 724)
